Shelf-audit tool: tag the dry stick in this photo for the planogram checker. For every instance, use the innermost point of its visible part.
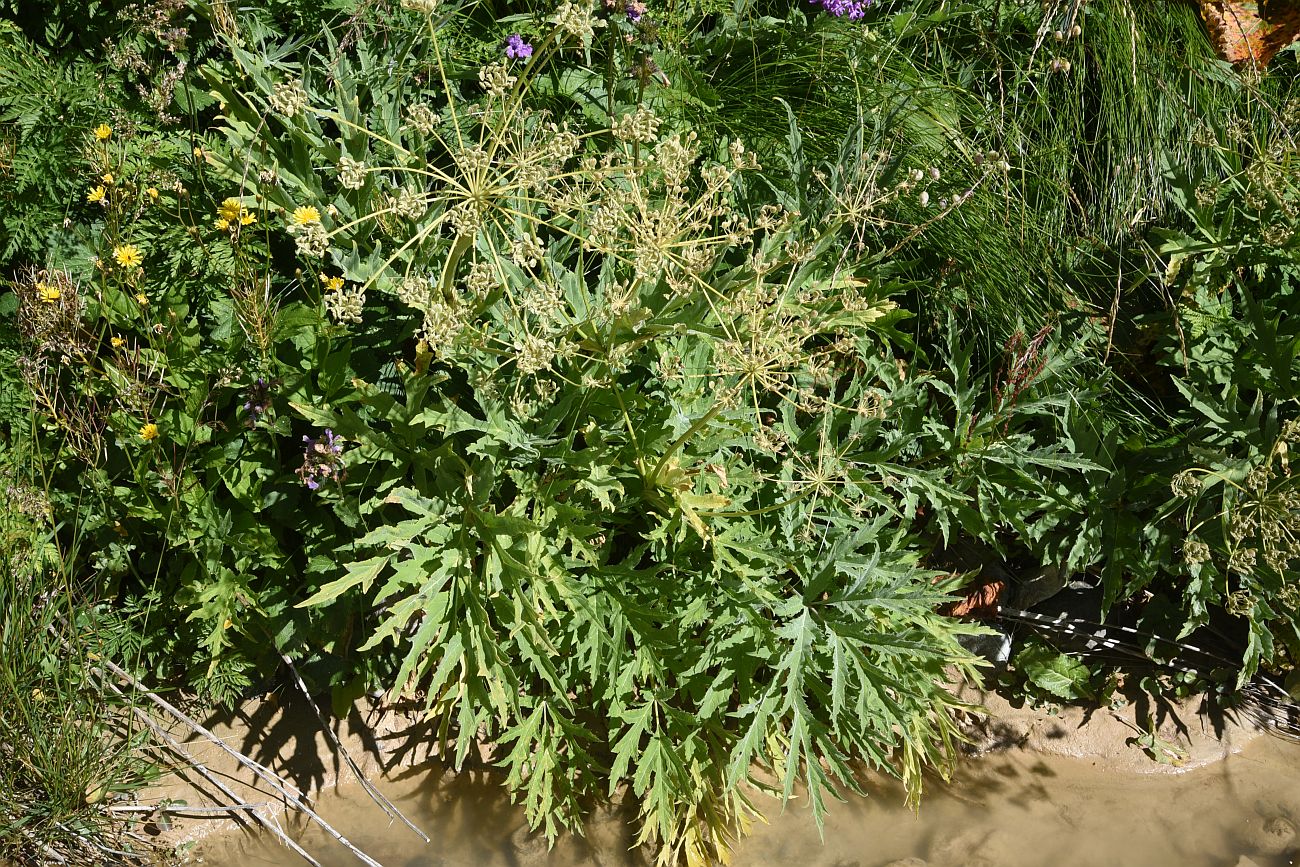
(47, 850)
(1114, 317)
(180, 808)
(93, 845)
(83, 844)
(206, 774)
(375, 795)
(266, 776)
(189, 760)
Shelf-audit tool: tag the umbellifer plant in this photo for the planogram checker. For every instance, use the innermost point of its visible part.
(610, 429)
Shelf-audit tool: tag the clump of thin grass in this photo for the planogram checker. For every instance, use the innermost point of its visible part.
(64, 752)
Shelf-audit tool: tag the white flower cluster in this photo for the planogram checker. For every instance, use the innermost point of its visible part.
(409, 204)
(473, 161)
(443, 324)
(496, 79)
(466, 218)
(413, 290)
(312, 239)
(345, 304)
(423, 118)
(641, 125)
(352, 173)
(576, 19)
(288, 98)
(527, 250)
(533, 354)
(482, 279)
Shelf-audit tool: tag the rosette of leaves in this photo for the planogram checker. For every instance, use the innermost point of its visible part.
(617, 455)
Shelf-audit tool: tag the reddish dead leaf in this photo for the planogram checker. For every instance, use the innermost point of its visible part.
(981, 603)
(1244, 31)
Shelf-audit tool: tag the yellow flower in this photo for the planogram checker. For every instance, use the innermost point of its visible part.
(305, 214)
(103, 132)
(198, 152)
(118, 342)
(149, 432)
(127, 255)
(233, 211)
(332, 284)
(153, 193)
(47, 293)
(230, 210)
(142, 299)
(96, 195)
(107, 178)
(221, 223)
(227, 623)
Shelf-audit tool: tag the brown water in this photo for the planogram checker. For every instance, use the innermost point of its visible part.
(1010, 809)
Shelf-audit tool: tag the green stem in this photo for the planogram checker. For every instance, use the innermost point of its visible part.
(699, 423)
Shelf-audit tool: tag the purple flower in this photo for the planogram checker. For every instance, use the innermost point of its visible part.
(854, 9)
(259, 400)
(322, 461)
(517, 48)
(635, 10)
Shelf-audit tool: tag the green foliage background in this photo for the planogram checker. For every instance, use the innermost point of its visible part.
(652, 442)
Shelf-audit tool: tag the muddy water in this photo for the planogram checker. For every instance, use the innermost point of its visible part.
(1009, 809)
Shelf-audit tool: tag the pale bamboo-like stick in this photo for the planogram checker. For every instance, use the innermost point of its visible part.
(201, 770)
(262, 773)
(181, 808)
(375, 795)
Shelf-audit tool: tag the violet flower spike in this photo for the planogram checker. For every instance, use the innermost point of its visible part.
(322, 460)
(517, 48)
(854, 9)
(635, 9)
(258, 401)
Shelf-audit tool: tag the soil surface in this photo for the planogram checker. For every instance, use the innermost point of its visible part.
(1149, 785)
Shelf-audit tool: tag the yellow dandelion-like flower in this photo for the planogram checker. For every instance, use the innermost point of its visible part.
(152, 192)
(149, 432)
(142, 299)
(47, 293)
(332, 284)
(127, 255)
(96, 195)
(107, 178)
(221, 223)
(230, 210)
(118, 342)
(198, 152)
(103, 132)
(304, 215)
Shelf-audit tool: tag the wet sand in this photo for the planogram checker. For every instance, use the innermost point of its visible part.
(1014, 806)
